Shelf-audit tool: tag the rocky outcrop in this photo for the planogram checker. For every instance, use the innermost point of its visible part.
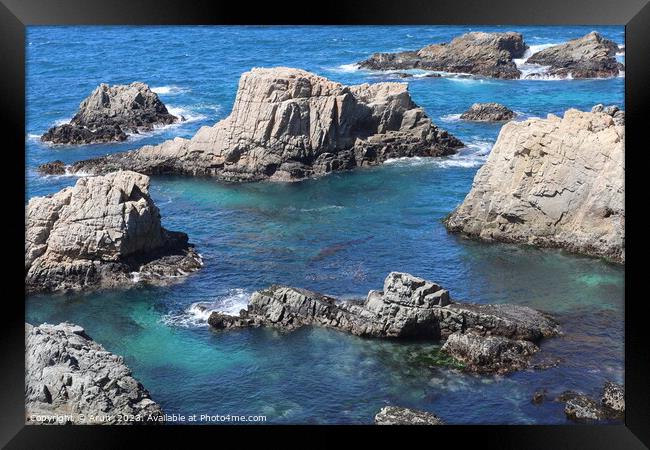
(612, 110)
(288, 124)
(109, 113)
(476, 53)
(396, 415)
(590, 56)
(488, 112)
(69, 378)
(582, 408)
(408, 307)
(102, 232)
(555, 182)
(489, 354)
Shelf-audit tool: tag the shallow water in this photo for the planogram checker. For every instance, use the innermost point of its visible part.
(339, 234)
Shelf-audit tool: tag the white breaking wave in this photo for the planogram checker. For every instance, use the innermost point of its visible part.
(188, 114)
(169, 90)
(197, 314)
(474, 155)
(451, 117)
(347, 68)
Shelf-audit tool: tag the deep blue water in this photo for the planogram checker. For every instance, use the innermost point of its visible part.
(340, 234)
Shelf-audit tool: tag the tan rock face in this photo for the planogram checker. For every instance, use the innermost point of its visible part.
(96, 233)
(555, 182)
(287, 124)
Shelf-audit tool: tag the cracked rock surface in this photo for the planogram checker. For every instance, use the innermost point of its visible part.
(69, 378)
(288, 124)
(554, 182)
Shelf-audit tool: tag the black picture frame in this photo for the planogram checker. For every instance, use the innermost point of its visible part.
(16, 14)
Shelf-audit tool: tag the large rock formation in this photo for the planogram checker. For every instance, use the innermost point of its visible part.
(98, 233)
(488, 112)
(407, 307)
(109, 113)
(397, 415)
(555, 182)
(69, 378)
(590, 56)
(477, 53)
(288, 124)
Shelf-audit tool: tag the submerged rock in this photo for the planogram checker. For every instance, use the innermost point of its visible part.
(555, 182)
(408, 307)
(590, 56)
(288, 124)
(102, 232)
(69, 378)
(488, 112)
(396, 415)
(109, 113)
(477, 53)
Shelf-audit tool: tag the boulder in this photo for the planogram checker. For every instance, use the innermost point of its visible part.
(488, 112)
(590, 56)
(476, 53)
(71, 379)
(613, 398)
(408, 307)
(102, 232)
(489, 354)
(289, 124)
(554, 182)
(53, 168)
(582, 408)
(109, 113)
(397, 415)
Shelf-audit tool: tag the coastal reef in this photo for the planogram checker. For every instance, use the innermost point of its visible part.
(288, 124)
(501, 336)
(103, 232)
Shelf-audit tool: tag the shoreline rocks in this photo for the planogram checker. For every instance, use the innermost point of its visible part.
(103, 232)
(408, 307)
(476, 53)
(488, 112)
(554, 182)
(109, 113)
(71, 379)
(590, 56)
(397, 415)
(582, 408)
(288, 124)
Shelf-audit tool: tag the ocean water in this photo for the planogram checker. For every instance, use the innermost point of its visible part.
(340, 234)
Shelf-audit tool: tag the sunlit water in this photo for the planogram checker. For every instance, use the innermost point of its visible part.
(339, 234)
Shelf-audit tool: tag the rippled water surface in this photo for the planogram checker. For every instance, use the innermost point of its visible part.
(340, 234)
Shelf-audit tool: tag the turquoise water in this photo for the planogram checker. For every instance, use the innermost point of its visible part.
(340, 234)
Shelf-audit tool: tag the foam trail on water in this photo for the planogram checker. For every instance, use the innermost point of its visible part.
(196, 315)
(169, 90)
(474, 155)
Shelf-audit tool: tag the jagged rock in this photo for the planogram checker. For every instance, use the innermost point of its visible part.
(613, 397)
(489, 354)
(612, 110)
(407, 307)
(109, 113)
(488, 112)
(396, 415)
(581, 408)
(555, 182)
(538, 397)
(288, 124)
(53, 168)
(477, 53)
(69, 378)
(101, 233)
(590, 56)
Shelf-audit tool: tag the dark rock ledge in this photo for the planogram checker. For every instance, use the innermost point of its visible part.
(483, 338)
(488, 112)
(109, 113)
